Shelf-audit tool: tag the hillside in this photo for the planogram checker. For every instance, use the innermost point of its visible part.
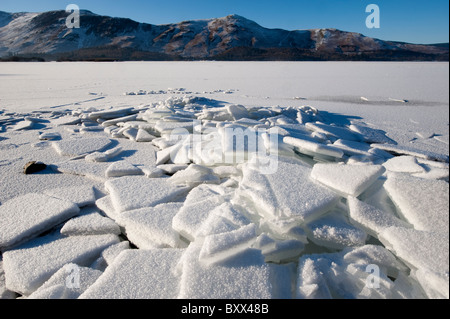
(103, 38)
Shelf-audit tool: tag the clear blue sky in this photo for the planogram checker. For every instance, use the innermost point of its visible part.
(415, 21)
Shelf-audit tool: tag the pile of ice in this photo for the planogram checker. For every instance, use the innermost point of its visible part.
(202, 200)
(177, 91)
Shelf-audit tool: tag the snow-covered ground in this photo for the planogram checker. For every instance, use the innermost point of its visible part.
(224, 180)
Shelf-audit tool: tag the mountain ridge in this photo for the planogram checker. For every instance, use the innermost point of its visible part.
(46, 36)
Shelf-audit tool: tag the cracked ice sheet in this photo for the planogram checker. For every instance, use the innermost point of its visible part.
(32, 264)
(290, 193)
(139, 274)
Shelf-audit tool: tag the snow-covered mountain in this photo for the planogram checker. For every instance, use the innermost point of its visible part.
(228, 38)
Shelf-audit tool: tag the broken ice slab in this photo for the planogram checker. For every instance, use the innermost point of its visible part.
(134, 192)
(216, 114)
(105, 204)
(420, 249)
(237, 112)
(176, 118)
(110, 253)
(239, 144)
(218, 248)
(222, 219)
(434, 284)
(130, 133)
(4, 292)
(347, 180)
(194, 175)
(153, 223)
(435, 173)
(112, 113)
(143, 136)
(427, 253)
(66, 120)
(199, 204)
(91, 224)
(29, 266)
(150, 127)
(372, 219)
(57, 286)
(172, 168)
(353, 148)
(166, 154)
(83, 195)
(91, 130)
(404, 164)
(246, 276)
(98, 157)
(122, 168)
(313, 148)
(289, 193)
(423, 203)
(335, 131)
(95, 171)
(139, 274)
(405, 150)
(167, 127)
(27, 216)
(119, 120)
(296, 130)
(24, 125)
(248, 122)
(152, 172)
(284, 229)
(80, 146)
(156, 114)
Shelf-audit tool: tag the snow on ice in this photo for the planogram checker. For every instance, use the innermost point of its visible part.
(192, 198)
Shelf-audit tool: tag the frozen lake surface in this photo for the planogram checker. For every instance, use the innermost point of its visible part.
(224, 180)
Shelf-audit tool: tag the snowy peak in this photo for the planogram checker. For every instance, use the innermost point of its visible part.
(238, 20)
(228, 38)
